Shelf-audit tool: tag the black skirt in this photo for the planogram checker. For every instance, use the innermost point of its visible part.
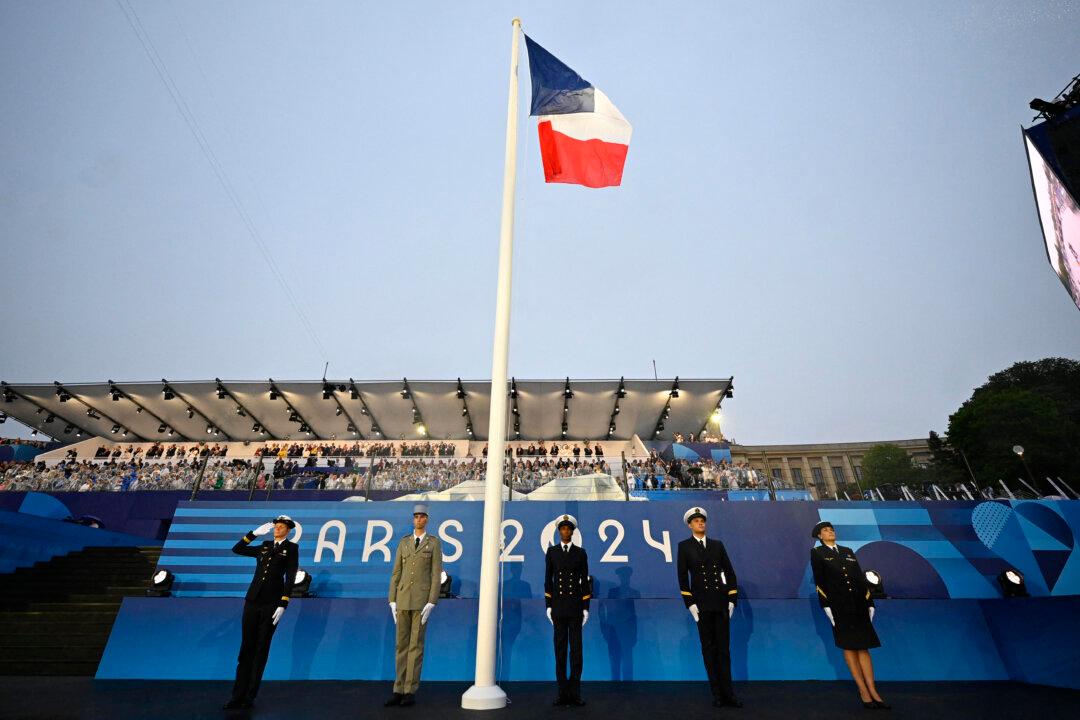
(853, 629)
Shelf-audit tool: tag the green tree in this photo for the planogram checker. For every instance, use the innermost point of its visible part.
(888, 464)
(1033, 404)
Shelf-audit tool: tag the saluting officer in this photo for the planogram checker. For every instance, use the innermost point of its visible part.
(265, 603)
(566, 594)
(414, 590)
(845, 598)
(708, 586)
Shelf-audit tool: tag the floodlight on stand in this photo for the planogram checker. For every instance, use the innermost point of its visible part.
(302, 585)
(161, 583)
(875, 584)
(445, 581)
(1012, 584)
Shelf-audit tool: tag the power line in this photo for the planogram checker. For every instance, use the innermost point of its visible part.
(192, 122)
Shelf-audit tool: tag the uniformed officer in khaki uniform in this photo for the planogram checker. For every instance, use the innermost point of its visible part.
(414, 590)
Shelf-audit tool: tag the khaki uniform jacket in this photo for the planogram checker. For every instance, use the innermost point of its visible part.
(417, 573)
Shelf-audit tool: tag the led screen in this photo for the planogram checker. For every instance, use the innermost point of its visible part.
(1059, 214)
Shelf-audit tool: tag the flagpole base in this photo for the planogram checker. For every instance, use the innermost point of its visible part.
(486, 697)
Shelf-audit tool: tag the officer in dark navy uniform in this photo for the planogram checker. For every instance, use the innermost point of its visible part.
(567, 591)
(708, 586)
(265, 603)
(845, 597)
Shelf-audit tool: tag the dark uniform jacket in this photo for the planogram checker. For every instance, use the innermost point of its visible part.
(566, 581)
(839, 580)
(706, 578)
(275, 572)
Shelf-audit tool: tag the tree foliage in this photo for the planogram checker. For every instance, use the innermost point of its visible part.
(888, 464)
(1032, 404)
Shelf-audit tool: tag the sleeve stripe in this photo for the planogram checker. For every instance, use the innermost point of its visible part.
(687, 593)
(867, 594)
(285, 598)
(821, 592)
(547, 594)
(586, 597)
(732, 592)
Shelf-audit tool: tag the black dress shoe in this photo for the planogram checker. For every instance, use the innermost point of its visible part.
(559, 701)
(870, 705)
(733, 702)
(395, 699)
(407, 699)
(232, 705)
(575, 702)
(882, 705)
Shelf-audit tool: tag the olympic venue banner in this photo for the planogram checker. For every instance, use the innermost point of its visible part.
(921, 550)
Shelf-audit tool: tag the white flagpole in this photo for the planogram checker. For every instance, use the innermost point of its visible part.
(485, 694)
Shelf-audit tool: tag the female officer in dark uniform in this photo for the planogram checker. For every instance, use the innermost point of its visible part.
(845, 598)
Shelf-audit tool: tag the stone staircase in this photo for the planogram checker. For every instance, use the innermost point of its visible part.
(55, 617)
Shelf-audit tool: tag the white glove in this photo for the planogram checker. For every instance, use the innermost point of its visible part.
(549, 616)
(277, 615)
(871, 614)
(263, 529)
(393, 611)
(730, 610)
(426, 612)
(828, 612)
(694, 612)
(585, 617)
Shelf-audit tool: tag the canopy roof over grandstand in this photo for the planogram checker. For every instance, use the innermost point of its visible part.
(218, 410)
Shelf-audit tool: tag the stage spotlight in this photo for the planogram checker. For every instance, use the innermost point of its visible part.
(209, 429)
(68, 429)
(169, 432)
(64, 397)
(327, 391)
(9, 396)
(468, 429)
(33, 432)
(167, 393)
(3, 417)
(78, 433)
(162, 428)
(444, 585)
(513, 389)
(49, 418)
(302, 585)
(161, 584)
(621, 392)
(730, 392)
(138, 410)
(363, 410)
(1012, 583)
(875, 584)
(273, 395)
(221, 394)
(353, 394)
(240, 411)
(115, 429)
(304, 428)
(190, 413)
(567, 392)
(123, 432)
(563, 434)
(420, 429)
(375, 430)
(294, 416)
(115, 395)
(405, 389)
(460, 390)
(660, 426)
(256, 427)
(337, 413)
(464, 411)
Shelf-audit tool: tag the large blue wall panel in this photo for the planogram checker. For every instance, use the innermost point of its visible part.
(346, 638)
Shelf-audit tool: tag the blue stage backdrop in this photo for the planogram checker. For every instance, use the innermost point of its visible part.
(1028, 639)
(936, 550)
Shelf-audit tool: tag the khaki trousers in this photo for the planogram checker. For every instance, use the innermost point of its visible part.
(409, 656)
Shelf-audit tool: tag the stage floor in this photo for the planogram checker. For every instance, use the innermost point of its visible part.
(60, 698)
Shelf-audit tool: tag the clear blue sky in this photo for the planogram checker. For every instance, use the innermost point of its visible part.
(828, 201)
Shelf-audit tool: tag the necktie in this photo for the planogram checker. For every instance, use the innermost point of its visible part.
(702, 543)
(417, 545)
(566, 549)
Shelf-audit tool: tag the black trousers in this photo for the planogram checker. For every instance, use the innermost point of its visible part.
(713, 631)
(257, 631)
(568, 632)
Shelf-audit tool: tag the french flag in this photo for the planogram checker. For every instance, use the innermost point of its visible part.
(583, 136)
